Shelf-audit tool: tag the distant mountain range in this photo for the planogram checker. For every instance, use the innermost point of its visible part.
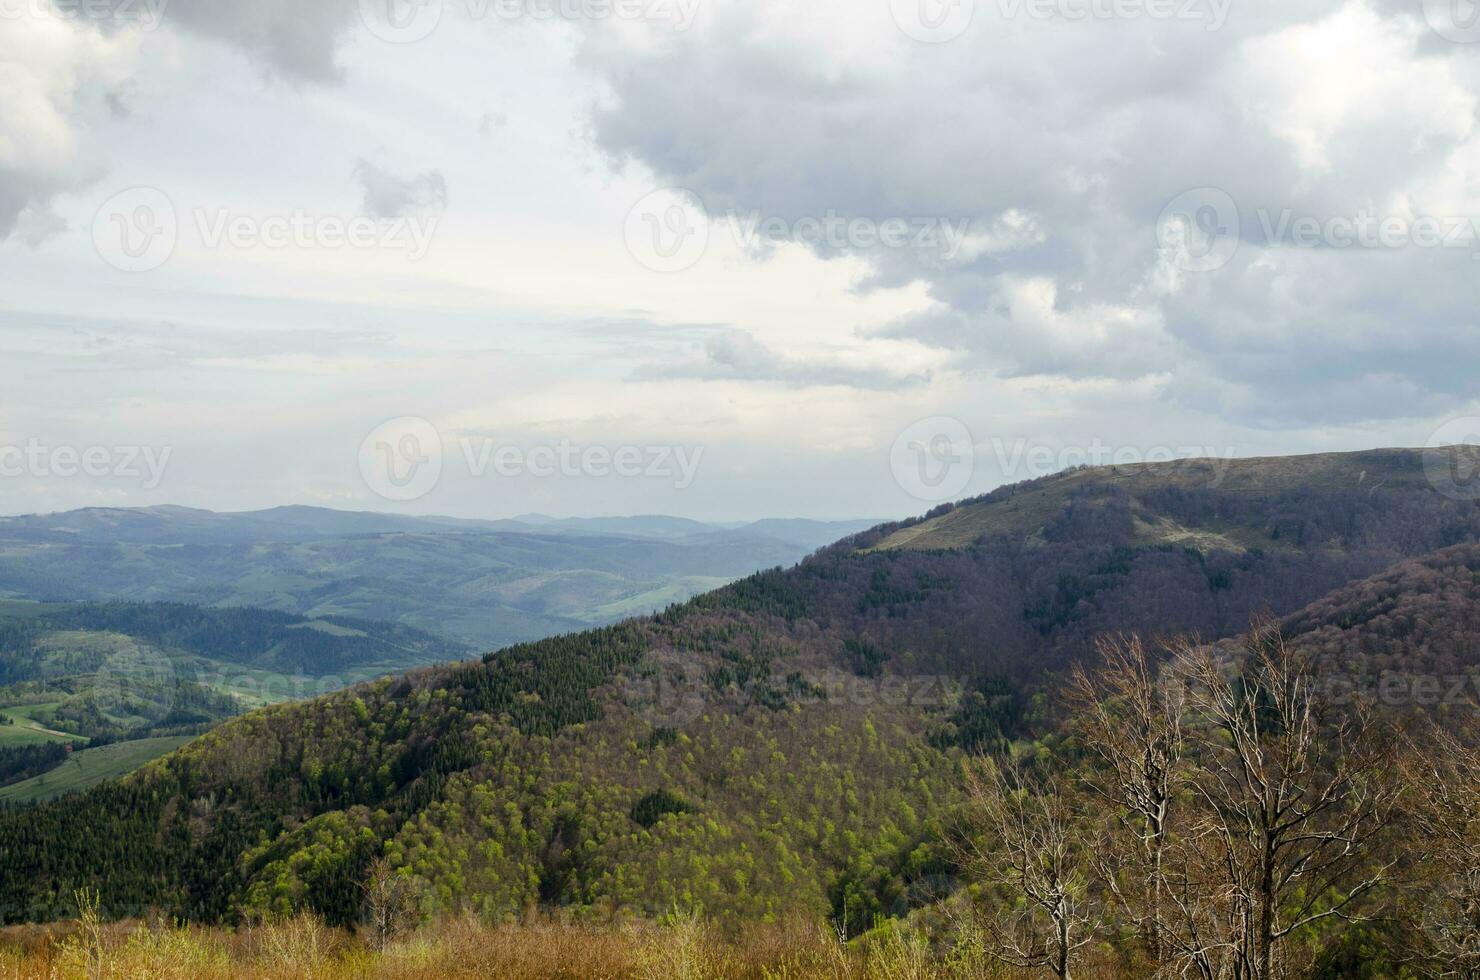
(483, 583)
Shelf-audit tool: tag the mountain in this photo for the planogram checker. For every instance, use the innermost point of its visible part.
(484, 583)
(75, 675)
(1418, 619)
(790, 741)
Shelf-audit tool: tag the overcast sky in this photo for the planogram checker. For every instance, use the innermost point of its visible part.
(720, 258)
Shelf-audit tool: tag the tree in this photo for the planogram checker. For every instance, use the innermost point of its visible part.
(1131, 726)
(1291, 799)
(390, 902)
(1443, 812)
(1029, 841)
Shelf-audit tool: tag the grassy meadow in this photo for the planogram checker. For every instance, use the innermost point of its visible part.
(684, 948)
(89, 767)
(24, 729)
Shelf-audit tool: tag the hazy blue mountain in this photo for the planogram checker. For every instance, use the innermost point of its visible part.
(484, 583)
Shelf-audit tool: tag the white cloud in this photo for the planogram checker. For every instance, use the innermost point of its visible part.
(54, 76)
(1057, 144)
(1064, 141)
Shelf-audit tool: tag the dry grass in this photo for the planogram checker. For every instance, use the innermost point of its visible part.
(684, 948)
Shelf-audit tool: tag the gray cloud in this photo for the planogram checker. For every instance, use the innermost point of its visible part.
(736, 355)
(388, 195)
(66, 72)
(23, 196)
(297, 39)
(1083, 133)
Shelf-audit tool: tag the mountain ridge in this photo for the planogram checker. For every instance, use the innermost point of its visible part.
(480, 583)
(790, 741)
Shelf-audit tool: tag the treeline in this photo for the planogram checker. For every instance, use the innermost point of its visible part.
(1216, 813)
(20, 762)
(124, 707)
(257, 637)
(515, 780)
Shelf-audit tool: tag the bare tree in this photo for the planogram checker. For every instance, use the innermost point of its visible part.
(1029, 842)
(1131, 727)
(390, 902)
(1291, 798)
(1443, 782)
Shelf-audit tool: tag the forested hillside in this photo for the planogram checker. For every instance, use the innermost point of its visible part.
(246, 637)
(76, 676)
(794, 741)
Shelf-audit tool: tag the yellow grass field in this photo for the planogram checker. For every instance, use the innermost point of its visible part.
(303, 949)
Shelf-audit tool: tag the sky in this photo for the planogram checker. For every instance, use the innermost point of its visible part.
(724, 259)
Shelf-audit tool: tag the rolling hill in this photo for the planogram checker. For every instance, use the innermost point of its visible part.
(87, 768)
(483, 583)
(75, 675)
(790, 741)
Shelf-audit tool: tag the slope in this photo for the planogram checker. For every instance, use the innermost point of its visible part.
(789, 741)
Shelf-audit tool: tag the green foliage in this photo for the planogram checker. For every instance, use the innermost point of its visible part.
(82, 769)
(986, 720)
(866, 659)
(18, 762)
(1361, 952)
(536, 776)
(656, 805)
